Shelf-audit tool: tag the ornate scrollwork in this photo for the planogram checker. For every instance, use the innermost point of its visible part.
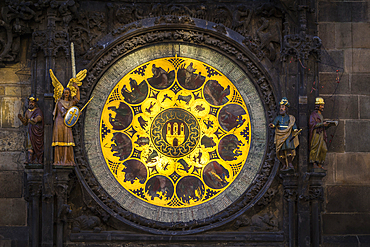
(265, 222)
(314, 193)
(267, 197)
(290, 194)
(300, 46)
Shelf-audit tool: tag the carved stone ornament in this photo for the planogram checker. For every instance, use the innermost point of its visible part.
(300, 46)
(265, 222)
(100, 180)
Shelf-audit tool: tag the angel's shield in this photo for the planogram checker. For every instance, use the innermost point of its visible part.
(71, 117)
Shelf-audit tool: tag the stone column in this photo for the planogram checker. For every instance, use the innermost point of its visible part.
(290, 196)
(62, 208)
(316, 195)
(33, 191)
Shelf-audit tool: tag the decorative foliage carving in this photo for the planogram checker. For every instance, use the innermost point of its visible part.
(14, 22)
(300, 46)
(85, 30)
(267, 197)
(290, 194)
(266, 222)
(85, 222)
(314, 193)
(266, 39)
(33, 189)
(84, 27)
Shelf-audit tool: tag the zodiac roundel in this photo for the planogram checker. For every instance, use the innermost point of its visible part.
(175, 132)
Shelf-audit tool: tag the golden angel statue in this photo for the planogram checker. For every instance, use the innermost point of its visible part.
(65, 98)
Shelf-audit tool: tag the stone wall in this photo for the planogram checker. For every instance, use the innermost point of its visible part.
(15, 87)
(344, 27)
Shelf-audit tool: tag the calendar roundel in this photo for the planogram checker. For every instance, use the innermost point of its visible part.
(175, 132)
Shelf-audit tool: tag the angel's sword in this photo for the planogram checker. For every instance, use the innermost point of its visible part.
(73, 60)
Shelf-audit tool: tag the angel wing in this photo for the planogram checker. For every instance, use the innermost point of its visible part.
(58, 87)
(78, 79)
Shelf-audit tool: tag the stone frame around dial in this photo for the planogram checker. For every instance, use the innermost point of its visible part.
(259, 98)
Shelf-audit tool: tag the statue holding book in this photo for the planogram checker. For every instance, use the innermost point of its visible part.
(318, 137)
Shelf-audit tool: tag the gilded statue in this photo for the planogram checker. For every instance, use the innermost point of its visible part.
(65, 98)
(34, 120)
(286, 136)
(318, 137)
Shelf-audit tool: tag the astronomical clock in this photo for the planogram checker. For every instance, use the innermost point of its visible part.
(175, 138)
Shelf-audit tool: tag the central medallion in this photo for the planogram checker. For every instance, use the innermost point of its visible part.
(175, 132)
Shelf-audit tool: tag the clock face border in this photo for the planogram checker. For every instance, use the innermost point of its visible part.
(196, 42)
(162, 214)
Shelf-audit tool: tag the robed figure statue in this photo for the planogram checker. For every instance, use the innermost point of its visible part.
(34, 120)
(318, 138)
(65, 98)
(286, 139)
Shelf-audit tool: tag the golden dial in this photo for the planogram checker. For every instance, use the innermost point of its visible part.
(175, 132)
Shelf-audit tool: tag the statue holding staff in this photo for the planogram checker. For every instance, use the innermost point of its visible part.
(286, 139)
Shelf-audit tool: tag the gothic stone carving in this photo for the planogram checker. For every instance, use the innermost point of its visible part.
(300, 46)
(265, 222)
(259, 23)
(85, 222)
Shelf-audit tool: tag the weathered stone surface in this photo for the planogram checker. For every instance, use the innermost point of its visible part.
(26, 91)
(341, 107)
(335, 135)
(344, 241)
(13, 91)
(343, 35)
(328, 83)
(16, 212)
(10, 107)
(352, 168)
(8, 75)
(361, 35)
(360, 84)
(2, 90)
(330, 165)
(360, 12)
(11, 140)
(348, 60)
(357, 60)
(12, 184)
(331, 61)
(19, 235)
(357, 136)
(10, 161)
(357, 199)
(346, 223)
(327, 35)
(364, 107)
(342, 11)
(5, 242)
